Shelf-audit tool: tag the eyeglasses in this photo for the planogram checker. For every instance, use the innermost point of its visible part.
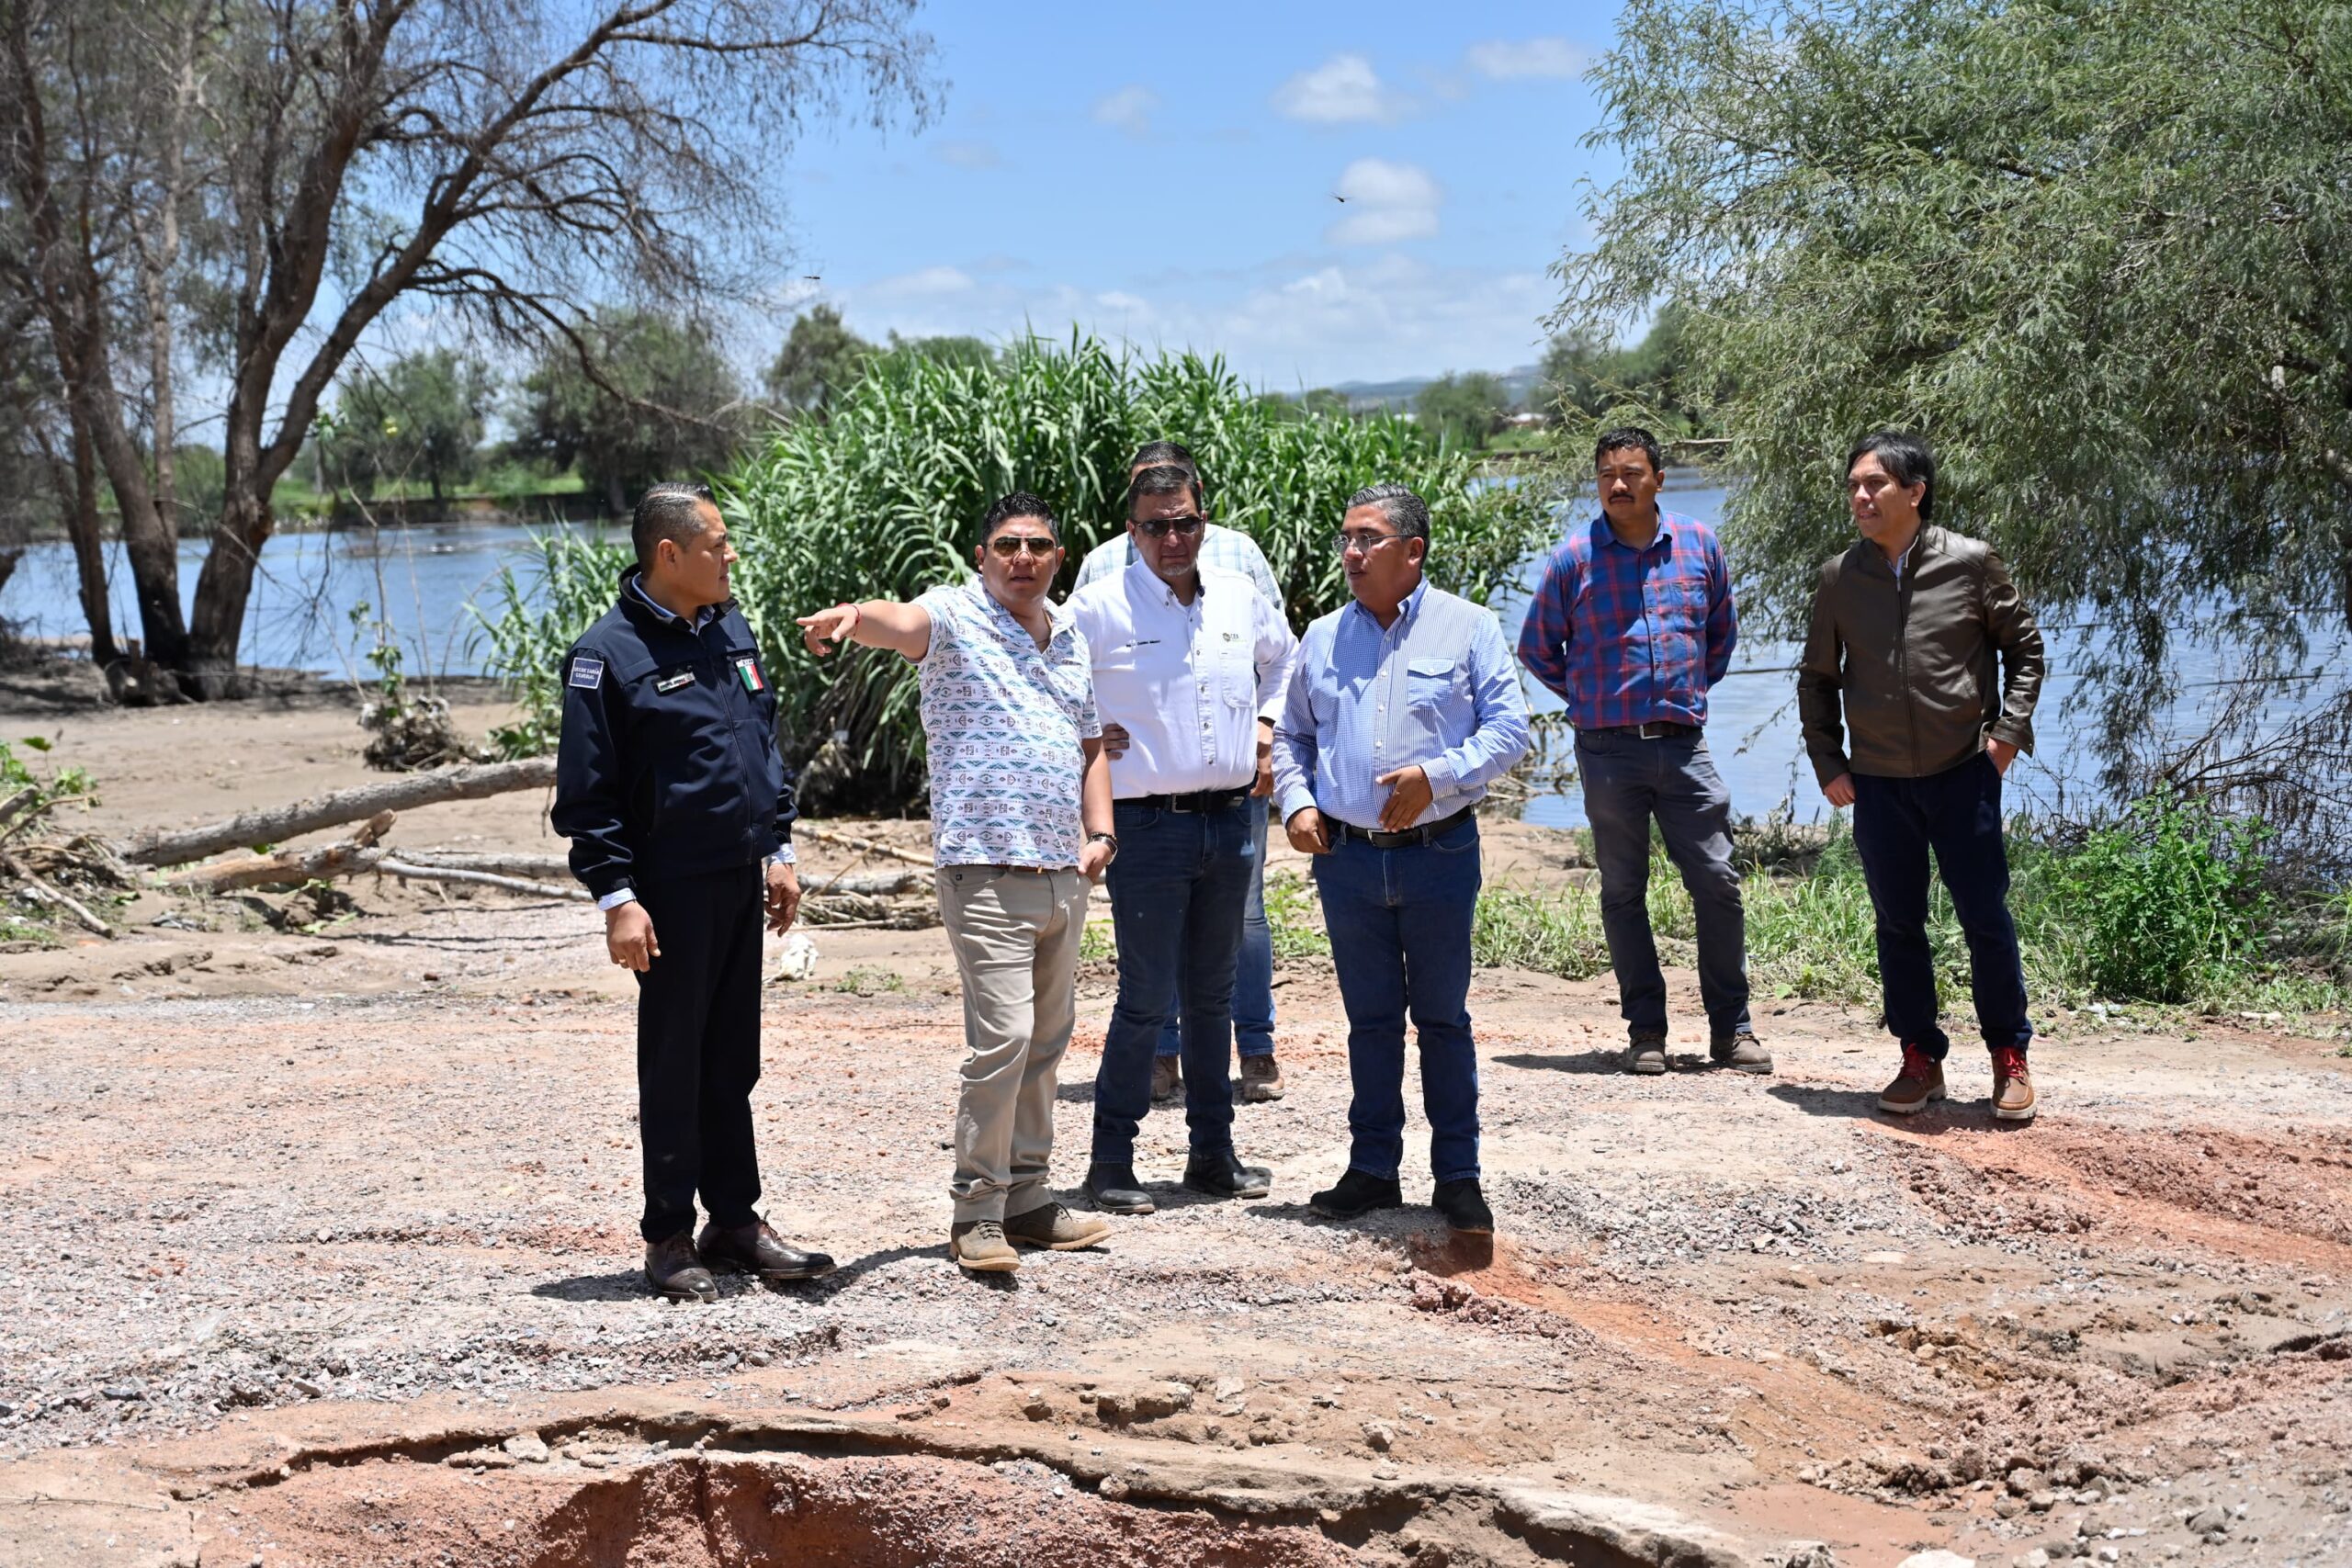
(1008, 546)
(1363, 544)
(1161, 527)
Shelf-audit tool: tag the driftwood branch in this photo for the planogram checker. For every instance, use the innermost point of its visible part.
(404, 793)
(349, 858)
(409, 871)
(864, 846)
(48, 894)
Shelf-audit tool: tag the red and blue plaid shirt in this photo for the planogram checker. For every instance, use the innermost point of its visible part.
(1629, 637)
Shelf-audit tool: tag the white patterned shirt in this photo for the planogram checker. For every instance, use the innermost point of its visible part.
(1228, 547)
(1004, 720)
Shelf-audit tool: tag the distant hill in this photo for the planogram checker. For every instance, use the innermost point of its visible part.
(1364, 395)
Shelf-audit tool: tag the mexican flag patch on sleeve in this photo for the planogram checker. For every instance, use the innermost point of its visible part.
(747, 668)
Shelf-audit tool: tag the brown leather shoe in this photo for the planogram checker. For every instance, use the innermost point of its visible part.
(978, 1246)
(1919, 1084)
(673, 1268)
(1742, 1053)
(1167, 1078)
(2013, 1095)
(756, 1248)
(1262, 1079)
(1646, 1058)
(1054, 1228)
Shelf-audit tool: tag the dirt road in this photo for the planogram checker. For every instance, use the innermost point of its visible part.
(320, 1247)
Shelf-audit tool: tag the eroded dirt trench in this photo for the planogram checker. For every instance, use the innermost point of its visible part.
(349, 1276)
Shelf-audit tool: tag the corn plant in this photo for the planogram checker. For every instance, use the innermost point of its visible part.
(882, 499)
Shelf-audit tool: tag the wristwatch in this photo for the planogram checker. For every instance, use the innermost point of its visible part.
(1110, 838)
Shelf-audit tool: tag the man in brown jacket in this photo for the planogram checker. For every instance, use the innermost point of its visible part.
(1919, 636)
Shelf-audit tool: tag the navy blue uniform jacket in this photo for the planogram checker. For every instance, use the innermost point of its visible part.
(667, 766)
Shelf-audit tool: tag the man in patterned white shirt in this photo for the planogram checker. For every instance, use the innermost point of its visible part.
(1021, 826)
(1253, 978)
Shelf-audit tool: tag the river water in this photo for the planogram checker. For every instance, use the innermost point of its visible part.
(426, 581)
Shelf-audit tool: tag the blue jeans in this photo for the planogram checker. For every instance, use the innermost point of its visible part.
(1957, 814)
(1400, 922)
(1253, 974)
(1627, 782)
(1177, 888)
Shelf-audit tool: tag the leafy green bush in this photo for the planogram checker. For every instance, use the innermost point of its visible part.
(2166, 900)
(880, 499)
(1517, 929)
(1292, 918)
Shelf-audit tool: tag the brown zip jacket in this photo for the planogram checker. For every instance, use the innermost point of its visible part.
(1913, 666)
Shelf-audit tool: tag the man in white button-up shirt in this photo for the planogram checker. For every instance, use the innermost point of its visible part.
(1188, 660)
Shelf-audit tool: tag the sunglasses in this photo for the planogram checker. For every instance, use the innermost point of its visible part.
(1161, 527)
(1008, 546)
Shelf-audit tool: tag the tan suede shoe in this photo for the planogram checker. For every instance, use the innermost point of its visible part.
(2013, 1095)
(1918, 1085)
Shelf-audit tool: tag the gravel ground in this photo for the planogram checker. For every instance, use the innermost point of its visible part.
(2121, 1330)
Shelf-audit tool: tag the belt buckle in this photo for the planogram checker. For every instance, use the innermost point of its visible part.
(1184, 805)
(1652, 730)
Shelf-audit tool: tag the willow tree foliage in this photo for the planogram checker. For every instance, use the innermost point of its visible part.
(2095, 248)
(883, 499)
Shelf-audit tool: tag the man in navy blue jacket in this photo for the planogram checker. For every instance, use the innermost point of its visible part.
(680, 812)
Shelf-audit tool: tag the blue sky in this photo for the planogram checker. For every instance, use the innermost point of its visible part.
(1167, 175)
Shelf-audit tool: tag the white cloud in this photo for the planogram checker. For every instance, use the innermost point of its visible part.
(1344, 89)
(1386, 203)
(1548, 58)
(930, 282)
(970, 154)
(1129, 109)
(1281, 328)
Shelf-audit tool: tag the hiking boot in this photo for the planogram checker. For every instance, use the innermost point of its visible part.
(978, 1246)
(756, 1248)
(1054, 1228)
(1357, 1194)
(1262, 1079)
(674, 1269)
(1741, 1052)
(1647, 1055)
(2013, 1095)
(1464, 1206)
(1167, 1078)
(1919, 1083)
(1223, 1175)
(1115, 1189)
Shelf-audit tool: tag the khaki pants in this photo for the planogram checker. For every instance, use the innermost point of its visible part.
(1015, 936)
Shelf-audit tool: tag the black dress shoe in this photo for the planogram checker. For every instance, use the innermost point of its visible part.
(756, 1248)
(1222, 1175)
(1357, 1194)
(673, 1268)
(1464, 1206)
(1115, 1189)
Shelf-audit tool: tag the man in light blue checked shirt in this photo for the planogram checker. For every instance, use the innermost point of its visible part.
(1404, 708)
(1253, 975)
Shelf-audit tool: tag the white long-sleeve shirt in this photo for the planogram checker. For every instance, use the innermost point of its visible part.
(1188, 683)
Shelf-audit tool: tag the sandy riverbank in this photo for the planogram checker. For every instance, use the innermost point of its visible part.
(291, 1218)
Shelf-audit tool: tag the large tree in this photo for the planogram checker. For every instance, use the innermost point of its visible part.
(820, 360)
(272, 178)
(666, 406)
(419, 417)
(2094, 248)
(1464, 410)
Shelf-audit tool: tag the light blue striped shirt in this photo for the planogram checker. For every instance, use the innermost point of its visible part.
(1437, 689)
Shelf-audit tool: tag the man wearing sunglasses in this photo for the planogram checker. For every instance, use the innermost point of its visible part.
(1253, 974)
(1020, 826)
(1188, 660)
(1405, 706)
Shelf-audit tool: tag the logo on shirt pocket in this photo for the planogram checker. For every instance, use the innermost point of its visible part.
(674, 680)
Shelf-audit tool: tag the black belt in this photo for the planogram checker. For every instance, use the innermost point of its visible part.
(1200, 801)
(1658, 729)
(1380, 841)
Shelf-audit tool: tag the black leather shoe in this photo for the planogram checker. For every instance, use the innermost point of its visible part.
(673, 1268)
(756, 1248)
(1357, 1194)
(1115, 1189)
(1463, 1207)
(1222, 1175)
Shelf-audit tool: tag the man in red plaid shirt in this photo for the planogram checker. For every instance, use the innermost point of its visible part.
(1631, 626)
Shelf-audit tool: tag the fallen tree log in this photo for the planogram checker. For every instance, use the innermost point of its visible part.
(353, 855)
(408, 871)
(556, 869)
(404, 793)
